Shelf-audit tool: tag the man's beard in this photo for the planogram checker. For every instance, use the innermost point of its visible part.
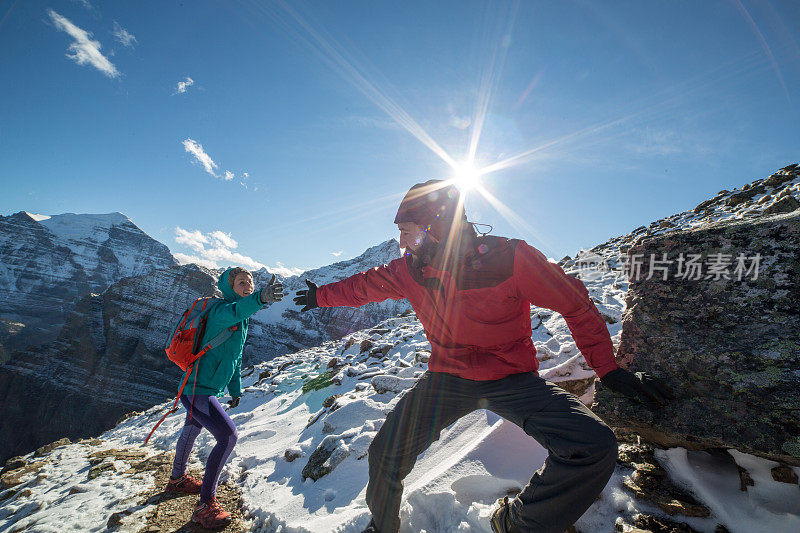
(424, 253)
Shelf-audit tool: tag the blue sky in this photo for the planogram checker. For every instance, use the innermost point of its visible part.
(595, 117)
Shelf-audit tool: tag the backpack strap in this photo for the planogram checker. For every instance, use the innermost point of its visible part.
(213, 343)
(223, 335)
(174, 405)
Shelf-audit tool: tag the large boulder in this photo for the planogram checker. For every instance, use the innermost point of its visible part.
(728, 347)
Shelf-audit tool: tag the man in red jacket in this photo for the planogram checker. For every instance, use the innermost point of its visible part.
(472, 295)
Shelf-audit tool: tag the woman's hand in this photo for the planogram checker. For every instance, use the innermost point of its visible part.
(273, 292)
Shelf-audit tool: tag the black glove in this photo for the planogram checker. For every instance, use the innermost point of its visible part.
(234, 401)
(639, 386)
(273, 292)
(307, 298)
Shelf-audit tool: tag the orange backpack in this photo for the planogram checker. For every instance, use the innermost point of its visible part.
(184, 345)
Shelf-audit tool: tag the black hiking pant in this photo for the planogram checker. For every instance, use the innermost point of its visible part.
(582, 449)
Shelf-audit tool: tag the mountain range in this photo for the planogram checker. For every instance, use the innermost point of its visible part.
(86, 304)
(306, 418)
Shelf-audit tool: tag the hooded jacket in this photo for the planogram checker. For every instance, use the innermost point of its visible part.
(476, 309)
(221, 366)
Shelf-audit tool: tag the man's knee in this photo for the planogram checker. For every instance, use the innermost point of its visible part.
(605, 447)
(374, 453)
(592, 443)
(387, 459)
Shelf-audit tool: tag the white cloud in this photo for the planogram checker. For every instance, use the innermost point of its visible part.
(84, 3)
(196, 149)
(337, 254)
(124, 37)
(184, 259)
(223, 239)
(183, 85)
(213, 249)
(284, 271)
(193, 239)
(84, 50)
(227, 257)
(216, 250)
(228, 175)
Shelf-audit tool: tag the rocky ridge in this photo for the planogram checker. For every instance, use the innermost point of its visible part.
(106, 357)
(48, 263)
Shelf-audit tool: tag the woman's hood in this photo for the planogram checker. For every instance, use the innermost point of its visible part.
(225, 287)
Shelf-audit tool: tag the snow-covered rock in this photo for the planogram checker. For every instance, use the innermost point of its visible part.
(48, 263)
(727, 344)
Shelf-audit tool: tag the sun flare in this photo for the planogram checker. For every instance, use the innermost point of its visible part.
(466, 177)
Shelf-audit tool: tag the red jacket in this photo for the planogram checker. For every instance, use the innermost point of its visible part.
(478, 320)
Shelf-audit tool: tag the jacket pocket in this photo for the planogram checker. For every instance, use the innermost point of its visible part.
(222, 375)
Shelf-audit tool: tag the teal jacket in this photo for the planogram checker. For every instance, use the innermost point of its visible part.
(222, 366)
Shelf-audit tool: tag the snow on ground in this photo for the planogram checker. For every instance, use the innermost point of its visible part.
(452, 488)
(455, 482)
(766, 506)
(59, 497)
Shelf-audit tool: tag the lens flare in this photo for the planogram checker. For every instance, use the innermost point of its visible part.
(466, 177)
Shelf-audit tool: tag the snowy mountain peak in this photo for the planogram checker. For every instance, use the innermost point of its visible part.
(35, 216)
(94, 227)
(49, 262)
(373, 256)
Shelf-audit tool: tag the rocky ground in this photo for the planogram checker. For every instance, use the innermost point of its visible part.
(149, 510)
(172, 513)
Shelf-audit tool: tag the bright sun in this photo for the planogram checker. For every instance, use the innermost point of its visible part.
(466, 177)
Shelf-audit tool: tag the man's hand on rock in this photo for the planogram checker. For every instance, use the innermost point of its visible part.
(639, 386)
(234, 402)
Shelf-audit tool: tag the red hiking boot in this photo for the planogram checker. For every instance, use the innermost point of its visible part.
(185, 484)
(210, 514)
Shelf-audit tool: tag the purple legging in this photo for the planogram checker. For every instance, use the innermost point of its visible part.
(206, 413)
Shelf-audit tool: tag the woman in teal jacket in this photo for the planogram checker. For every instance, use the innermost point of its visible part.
(217, 369)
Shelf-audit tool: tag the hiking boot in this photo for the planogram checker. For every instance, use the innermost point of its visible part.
(185, 484)
(371, 528)
(501, 518)
(210, 514)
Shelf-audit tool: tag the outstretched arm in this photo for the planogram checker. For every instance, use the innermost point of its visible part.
(228, 314)
(545, 284)
(374, 285)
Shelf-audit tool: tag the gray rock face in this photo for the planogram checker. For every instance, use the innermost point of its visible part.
(729, 348)
(48, 264)
(106, 356)
(107, 360)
